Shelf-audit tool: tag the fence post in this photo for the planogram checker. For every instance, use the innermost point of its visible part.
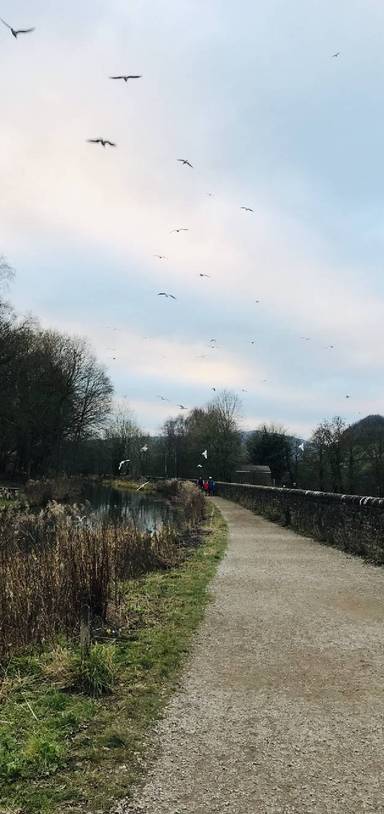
(85, 630)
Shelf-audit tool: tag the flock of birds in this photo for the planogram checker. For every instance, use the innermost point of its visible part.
(185, 162)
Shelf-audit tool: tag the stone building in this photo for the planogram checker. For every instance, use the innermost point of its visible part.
(252, 473)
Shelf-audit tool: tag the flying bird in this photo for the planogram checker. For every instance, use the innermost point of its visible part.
(182, 229)
(123, 462)
(214, 389)
(163, 398)
(164, 294)
(144, 448)
(160, 256)
(125, 77)
(182, 407)
(253, 342)
(247, 209)
(142, 485)
(347, 397)
(204, 275)
(103, 141)
(244, 391)
(16, 31)
(199, 466)
(336, 55)
(301, 446)
(205, 454)
(306, 338)
(185, 162)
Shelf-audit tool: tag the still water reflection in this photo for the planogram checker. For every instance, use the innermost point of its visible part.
(146, 511)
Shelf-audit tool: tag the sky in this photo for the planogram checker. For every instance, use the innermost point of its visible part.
(250, 94)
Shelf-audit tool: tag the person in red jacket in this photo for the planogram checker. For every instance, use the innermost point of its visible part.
(206, 487)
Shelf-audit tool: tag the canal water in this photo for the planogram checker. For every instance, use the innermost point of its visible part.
(146, 511)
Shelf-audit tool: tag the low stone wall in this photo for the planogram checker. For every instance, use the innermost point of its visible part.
(349, 522)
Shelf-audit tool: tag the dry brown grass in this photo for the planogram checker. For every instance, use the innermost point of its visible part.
(53, 562)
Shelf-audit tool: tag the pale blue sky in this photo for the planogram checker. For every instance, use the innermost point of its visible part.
(250, 93)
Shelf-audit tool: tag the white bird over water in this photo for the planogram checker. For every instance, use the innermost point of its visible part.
(144, 448)
(126, 461)
(205, 454)
(302, 447)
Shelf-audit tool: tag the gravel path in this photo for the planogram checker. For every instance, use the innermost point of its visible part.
(281, 703)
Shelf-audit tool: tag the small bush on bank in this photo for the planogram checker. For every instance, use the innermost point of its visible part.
(62, 489)
(189, 497)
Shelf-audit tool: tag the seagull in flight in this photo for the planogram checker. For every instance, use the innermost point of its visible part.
(205, 454)
(16, 31)
(144, 448)
(164, 294)
(214, 389)
(253, 341)
(347, 397)
(103, 141)
(182, 407)
(199, 466)
(204, 275)
(247, 209)
(163, 398)
(336, 55)
(160, 256)
(123, 462)
(125, 77)
(185, 162)
(306, 338)
(244, 391)
(182, 229)
(301, 446)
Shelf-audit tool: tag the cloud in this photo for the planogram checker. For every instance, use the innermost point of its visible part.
(278, 126)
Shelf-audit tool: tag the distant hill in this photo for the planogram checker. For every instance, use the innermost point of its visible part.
(367, 429)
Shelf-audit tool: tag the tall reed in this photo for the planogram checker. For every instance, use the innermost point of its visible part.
(54, 562)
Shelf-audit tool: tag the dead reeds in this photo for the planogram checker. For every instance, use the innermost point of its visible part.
(55, 562)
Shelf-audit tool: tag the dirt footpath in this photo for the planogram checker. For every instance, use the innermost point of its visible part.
(281, 707)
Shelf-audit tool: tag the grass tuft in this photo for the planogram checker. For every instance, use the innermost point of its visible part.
(95, 673)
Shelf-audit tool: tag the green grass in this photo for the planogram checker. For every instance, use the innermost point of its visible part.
(63, 751)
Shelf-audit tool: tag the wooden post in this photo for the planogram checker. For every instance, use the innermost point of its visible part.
(85, 630)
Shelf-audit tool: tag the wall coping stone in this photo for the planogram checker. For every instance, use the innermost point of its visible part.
(329, 497)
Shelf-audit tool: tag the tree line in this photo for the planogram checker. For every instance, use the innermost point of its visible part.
(337, 457)
(53, 394)
(56, 416)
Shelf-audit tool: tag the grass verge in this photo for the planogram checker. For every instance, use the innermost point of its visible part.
(62, 751)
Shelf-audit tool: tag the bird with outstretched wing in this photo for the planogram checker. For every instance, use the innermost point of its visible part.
(16, 31)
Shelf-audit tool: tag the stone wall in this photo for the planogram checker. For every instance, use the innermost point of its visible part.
(349, 522)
